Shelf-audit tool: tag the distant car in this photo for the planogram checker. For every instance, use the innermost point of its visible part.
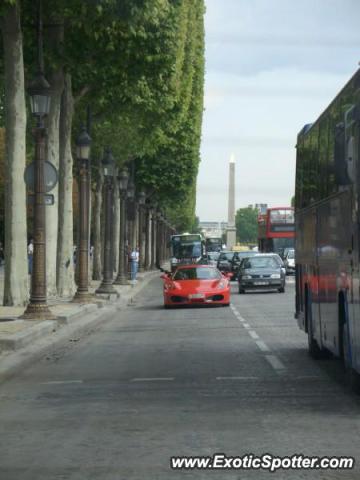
(289, 261)
(229, 261)
(196, 285)
(212, 258)
(262, 272)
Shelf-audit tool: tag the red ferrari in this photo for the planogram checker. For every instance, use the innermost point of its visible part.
(196, 285)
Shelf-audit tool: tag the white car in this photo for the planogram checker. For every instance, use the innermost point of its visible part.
(289, 261)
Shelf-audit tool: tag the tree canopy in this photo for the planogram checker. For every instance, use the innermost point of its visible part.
(247, 224)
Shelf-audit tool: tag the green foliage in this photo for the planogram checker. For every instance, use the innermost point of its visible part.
(247, 224)
(139, 64)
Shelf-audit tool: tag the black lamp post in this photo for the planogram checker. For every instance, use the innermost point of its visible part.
(121, 278)
(40, 98)
(141, 240)
(83, 144)
(108, 166)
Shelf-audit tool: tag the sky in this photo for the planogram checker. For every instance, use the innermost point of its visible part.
(271, 67)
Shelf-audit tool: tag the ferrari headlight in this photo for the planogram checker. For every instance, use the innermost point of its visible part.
(221, 285)
(275, 275)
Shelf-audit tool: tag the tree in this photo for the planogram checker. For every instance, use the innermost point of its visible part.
(247, 224)
(16, 276)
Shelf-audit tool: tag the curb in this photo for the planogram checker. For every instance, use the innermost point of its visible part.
(25, 348)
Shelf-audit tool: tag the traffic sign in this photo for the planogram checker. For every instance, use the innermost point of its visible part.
(50, 176)
(49, 199)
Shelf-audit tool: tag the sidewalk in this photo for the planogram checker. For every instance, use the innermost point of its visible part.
(17, 335)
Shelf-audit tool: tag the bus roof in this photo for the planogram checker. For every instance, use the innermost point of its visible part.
(309, 126)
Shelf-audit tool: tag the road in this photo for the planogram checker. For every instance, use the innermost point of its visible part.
(152, 383)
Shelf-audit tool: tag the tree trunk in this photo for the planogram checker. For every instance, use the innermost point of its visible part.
(97, 256)
(65, 265)
(57, 82)
(16, 284)
(55, 37)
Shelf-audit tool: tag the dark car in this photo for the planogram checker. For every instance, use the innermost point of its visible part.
(262, 272)
(229, 261)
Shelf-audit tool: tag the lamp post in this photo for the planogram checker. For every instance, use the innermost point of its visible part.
(106, 286)
(121, 278)
(83, 144)
(40, 98)
(141, 200)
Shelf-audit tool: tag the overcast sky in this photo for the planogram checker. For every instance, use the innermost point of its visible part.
(271, 67)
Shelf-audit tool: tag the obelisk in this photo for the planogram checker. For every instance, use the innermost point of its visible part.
(231, 229)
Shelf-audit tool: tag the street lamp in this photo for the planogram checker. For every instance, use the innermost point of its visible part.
(123, 179)
(40, 98)
(108, 166)
(83, 144)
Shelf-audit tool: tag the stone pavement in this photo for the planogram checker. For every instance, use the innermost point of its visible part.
(16, 334)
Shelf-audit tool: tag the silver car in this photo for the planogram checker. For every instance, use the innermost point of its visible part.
(262, 272)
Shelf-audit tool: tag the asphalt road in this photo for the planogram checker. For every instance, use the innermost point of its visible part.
(153, 383)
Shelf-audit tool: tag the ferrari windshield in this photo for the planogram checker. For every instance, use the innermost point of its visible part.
(199, 273)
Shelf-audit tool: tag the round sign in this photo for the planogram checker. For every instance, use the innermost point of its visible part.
(50, 176)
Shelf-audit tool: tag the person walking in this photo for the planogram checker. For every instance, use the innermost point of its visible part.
(30, 252)
(134, 259)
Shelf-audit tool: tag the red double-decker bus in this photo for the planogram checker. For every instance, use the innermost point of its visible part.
(276, 230)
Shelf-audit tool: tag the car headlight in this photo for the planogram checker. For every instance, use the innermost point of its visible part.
(221, 285)
(246, 277)
(174, 260)
(275, 275)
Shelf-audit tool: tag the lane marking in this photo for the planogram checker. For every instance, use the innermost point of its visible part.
(275, 362)
(253, 334)
(237, 378)
(262, 345)
(61, 382)
(246, 325)
(152, 379)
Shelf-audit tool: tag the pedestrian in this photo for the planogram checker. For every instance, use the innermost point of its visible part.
(30, 253)
(2, 255)
(134, 260)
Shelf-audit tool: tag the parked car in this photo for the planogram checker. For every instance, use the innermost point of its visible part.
(229, 261)
(289, 261)
(196, 285)
(262, 272)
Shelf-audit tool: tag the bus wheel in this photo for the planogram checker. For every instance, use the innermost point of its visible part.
(352, 377)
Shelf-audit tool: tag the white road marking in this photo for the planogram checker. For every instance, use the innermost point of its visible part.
(275, 362)
(253, 334)
(237, 378)
(262, 345)
(153, 379)
(60, 382)
(246, 325)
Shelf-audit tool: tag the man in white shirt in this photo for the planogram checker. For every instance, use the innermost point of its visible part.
(134, 259)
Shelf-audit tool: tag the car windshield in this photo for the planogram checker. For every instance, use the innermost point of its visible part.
(199, 273)
(291, 254)
(226, 256)
(260, 262)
